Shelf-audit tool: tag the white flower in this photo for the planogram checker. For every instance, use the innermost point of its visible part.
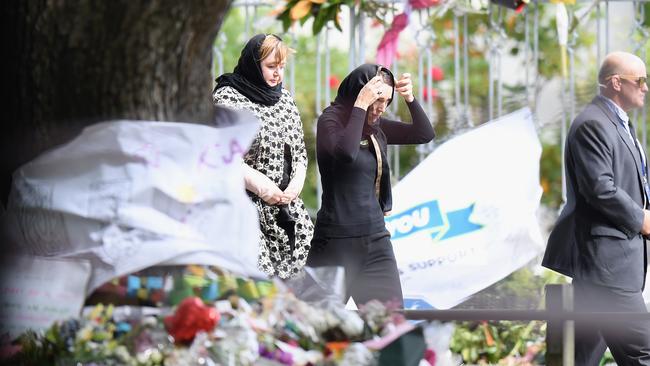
(478, 5)
(351, 323)
(358, 355)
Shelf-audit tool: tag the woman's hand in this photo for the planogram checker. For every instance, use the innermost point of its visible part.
(275, 196)
(404, 87)
(295, 185)
(370, 92)
(263, 187)
(291, 193)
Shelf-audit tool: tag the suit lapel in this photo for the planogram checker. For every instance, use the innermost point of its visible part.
(622, 132)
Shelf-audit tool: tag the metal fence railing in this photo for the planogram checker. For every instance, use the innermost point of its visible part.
(559, 315)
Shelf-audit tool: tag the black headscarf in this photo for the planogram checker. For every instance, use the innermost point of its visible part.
(349, 90)
(340, 111)
(247, 77)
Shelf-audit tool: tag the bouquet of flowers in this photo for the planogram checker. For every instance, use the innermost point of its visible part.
(275, 329)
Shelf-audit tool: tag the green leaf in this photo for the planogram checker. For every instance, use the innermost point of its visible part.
(285, 18)
(286, 22)
(336, 19)
(320, 19)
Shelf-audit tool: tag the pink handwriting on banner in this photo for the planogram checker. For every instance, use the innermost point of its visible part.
(217, 155)
(150, 153)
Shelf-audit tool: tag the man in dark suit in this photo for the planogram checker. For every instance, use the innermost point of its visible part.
(598, 239)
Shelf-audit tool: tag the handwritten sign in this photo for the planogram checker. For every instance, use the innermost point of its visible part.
(37, 291)
(128, 195)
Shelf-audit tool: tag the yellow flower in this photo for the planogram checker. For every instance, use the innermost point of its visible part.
(301, 9)
(85, 334)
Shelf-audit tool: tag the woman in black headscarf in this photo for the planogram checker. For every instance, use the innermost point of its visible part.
(352, 140)
(276, 163)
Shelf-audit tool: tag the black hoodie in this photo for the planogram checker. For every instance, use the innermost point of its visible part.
(348, 164)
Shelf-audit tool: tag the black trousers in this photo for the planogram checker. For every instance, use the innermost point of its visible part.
(369, 263)
(629, 341)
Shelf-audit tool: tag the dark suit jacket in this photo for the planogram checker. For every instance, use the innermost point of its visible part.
(597, 236)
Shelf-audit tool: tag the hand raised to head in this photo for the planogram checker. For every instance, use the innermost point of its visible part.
(373, 90)
(404, 87)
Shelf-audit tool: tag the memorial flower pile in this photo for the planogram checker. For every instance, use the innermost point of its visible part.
(276, 329)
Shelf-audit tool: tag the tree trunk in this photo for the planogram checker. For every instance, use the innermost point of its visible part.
(75, 62)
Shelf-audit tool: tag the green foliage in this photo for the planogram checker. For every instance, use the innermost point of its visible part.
(508, 342)
(491, 342)
(322, 13)
(327, 11)
(88, 340)
(551, 175)
(481, 38)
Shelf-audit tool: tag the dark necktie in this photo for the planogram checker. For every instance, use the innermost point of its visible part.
(644, 167)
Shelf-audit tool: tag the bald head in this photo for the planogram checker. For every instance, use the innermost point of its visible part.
(618, 63)
(622, 79)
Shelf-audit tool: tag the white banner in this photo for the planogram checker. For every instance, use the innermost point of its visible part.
(465, 217)
(127, 195)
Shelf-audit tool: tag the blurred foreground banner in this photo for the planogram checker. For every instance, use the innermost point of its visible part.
(126, 195)
(465, 217)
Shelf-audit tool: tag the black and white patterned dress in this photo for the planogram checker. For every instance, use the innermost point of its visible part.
(280, 124)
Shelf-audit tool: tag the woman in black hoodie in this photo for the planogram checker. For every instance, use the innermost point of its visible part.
(352, 140)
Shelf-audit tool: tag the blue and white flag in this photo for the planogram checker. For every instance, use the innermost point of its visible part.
(465, 217)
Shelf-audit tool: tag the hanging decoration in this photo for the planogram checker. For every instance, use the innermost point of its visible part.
(562, 22)
(387, 48)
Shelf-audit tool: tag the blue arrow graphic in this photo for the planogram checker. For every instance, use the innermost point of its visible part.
(459, 223)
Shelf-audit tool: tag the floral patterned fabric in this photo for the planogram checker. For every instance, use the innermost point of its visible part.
(280, 124)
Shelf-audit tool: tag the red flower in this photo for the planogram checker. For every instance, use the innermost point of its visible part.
(334, 82)
(191, 316)
(520, 7)
(433, 93)
(437, 74)
(430, 356)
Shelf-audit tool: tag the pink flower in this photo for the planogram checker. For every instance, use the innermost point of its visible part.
(433, 93)
(422, 4)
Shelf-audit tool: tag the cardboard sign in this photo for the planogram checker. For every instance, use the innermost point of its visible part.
(37, 291)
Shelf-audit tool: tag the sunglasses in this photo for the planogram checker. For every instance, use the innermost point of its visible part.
(639, 80)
